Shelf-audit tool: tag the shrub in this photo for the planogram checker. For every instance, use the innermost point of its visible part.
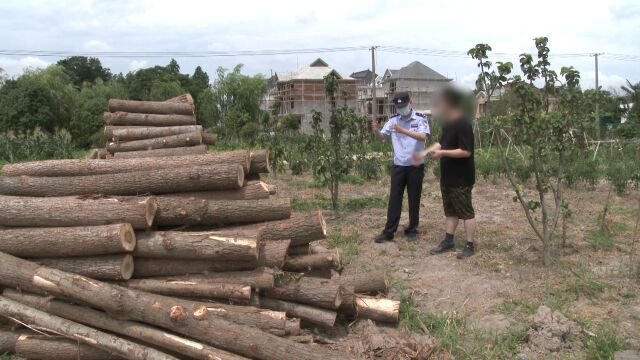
(35, 146)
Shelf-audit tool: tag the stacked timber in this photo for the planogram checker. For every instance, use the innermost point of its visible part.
(145, 258)
(135, 129)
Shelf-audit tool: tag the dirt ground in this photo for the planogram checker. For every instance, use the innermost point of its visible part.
(498, 293)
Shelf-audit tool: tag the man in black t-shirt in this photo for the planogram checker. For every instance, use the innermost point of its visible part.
(457, 172)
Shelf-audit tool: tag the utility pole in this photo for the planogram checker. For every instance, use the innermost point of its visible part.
(595, 55)
(374, 99)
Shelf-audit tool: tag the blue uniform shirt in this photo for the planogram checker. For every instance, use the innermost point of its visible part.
(405, 146)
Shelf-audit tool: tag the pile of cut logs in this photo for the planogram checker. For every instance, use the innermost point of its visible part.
(136, 129)
(165, 258)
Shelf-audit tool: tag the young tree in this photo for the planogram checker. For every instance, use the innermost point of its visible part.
(546, 133)
(331, 159)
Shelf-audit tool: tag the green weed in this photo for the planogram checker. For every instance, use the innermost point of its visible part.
(348, 244)
(601, 239)
(604, 344)
(585, 283)
(320, 201)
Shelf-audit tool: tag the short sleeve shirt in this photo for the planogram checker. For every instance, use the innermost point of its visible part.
(405, 146)
(456, 172)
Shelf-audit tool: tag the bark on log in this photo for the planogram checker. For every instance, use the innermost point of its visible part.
(185, 317)
(123, 118)
(135, 330)
(109, 129)
(172, 141)
(197, 289)
(163, 153)
(273, 253)
(299, 250)
(302, 263)
(68, 241)
(209, 138)
(195, 245)
(184, 98)
(300, 229)
(366, 282)
(110, 267)
(313, 291)
(383, 310)
(177, 211)
(40, 347)
(78, 332)
(151, 107)
(141, 133)
(76, 211)
(322, 317)
(190, 178)
(246, 211)
(77, 167)
(260, 162)
(259, 279)
(145, 268)
(273, 189)
(251, 191)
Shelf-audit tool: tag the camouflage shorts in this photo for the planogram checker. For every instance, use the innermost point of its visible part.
(457, 202)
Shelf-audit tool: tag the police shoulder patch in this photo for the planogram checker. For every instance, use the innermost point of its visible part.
(420, 114)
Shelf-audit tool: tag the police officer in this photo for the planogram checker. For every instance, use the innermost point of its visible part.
(408, 131)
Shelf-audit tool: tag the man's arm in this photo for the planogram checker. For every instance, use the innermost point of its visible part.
(456, 153)
(420, 136)
(375, 129)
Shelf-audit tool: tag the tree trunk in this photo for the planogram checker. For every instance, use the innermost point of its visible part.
(322, 317)
(147, 120)
(247, 211)
(273, 253)
(195, 289)
(110, 267)
(151, 107)
(251, 191)
(72, 211)
(383, 310)
(299, 250)
(209, 138)
(80, 333)
(259, 279)
(41, 347)
(313, 291)
(77, 167)
(366, 282)
(141, 133)
(179, 179)
(302, 263)
(68, 241)
(185, 317)
(195, 245)
(172, 141)
(260, 162)
(177, 211)
(184, 98)
(145, 268)
(163, 153)
(300, 229)
(130, 329)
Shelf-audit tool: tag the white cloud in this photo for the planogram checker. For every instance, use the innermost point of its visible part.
(96, 45)
(137, 64)
(15, 66)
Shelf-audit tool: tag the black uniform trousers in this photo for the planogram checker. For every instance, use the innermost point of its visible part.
(410, 177)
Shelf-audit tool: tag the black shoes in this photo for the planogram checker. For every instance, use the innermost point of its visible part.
(410, 237)
(383, 237)
(443, 247)
(468, 251)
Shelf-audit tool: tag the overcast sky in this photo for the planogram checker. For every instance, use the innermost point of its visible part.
(609, 26)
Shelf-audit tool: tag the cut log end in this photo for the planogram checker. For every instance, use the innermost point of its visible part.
(323, 223)
(127, 267)
(240, 176)
(128, 237)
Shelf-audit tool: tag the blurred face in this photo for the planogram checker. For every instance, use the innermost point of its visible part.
(444, 108)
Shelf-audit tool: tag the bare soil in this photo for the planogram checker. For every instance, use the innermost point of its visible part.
(501, 288)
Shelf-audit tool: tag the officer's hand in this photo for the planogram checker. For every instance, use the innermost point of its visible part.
(437, 154)
(397, 128)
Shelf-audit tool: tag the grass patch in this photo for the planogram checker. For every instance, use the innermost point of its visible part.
(585, 282)
(7, 357)
(601, 239)
(321, 201)
(348, 244)
(513, 306)
(604, 345)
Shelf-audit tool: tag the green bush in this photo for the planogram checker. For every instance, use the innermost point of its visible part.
(35, 146)
(249, 132)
